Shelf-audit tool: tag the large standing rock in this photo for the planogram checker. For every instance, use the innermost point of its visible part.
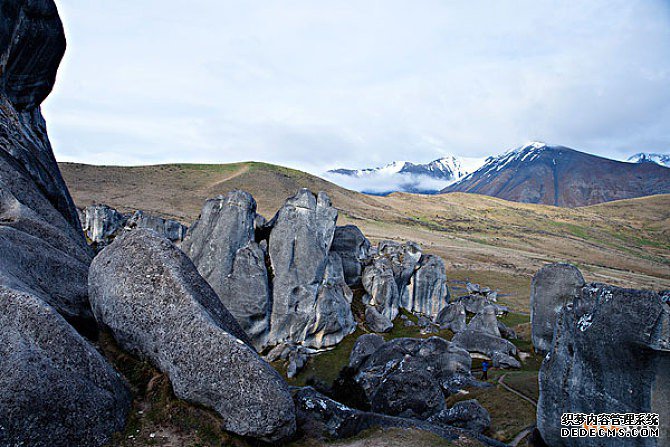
(551, 287)
(427, 293)
(354, 248)
(57, 390)
(311, 304)
(381, 287)
(610, 354)
(483, 336)
(375, 321)
(221, 245)
(158, 307)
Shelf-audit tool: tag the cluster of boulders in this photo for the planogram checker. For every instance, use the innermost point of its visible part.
(608, 351)
(102, 224)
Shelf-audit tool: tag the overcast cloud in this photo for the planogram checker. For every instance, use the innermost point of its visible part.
(320, 85)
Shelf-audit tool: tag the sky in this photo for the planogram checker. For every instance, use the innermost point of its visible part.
(328, 84)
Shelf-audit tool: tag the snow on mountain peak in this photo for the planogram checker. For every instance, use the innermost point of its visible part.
(646, 157)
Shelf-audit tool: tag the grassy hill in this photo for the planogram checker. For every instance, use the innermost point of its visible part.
(492, 241)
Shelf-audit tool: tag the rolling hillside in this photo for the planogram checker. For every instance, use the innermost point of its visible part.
(483, 239)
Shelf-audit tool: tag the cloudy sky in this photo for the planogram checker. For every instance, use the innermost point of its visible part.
(319, 85)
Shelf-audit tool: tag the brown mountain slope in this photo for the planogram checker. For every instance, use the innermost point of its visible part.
(556, 175)
(485, 239)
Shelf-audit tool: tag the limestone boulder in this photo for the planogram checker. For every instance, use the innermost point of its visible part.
(157, 306)
(452, 317)
(427, 292)
(311, 303)
(221, 244)
(610, 354)
(551, 288)
(55, 388)
(353, 248)
(381, 287)
(376, 321)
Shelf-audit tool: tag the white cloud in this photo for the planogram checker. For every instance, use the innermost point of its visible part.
(320, 85)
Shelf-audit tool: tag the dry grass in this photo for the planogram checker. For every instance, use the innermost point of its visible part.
(491, 241)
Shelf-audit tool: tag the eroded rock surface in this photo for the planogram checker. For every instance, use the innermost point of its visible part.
(551, 288)
(221, 244)
(157, 306)
(311, 301)
(610, 354)
(353, 248)
(427, 292)
(55, 388)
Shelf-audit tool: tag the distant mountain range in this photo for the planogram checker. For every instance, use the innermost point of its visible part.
(659, 159)
(428, 178)
(560, 176)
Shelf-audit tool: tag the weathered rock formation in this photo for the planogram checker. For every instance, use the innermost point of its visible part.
(102, 223)
(610, 354)
(452, 317)
(427, 292)
(551, 288)
(381, 287)
(468, 414)
(354, 249)
(157, 306)
(407, 376)
(322, 415)
(482, 335)
(311, 301)
(55, 388)
(221, 243)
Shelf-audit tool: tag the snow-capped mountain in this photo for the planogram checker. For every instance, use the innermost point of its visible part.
(644, 157)
(556, 175)
(403, 176)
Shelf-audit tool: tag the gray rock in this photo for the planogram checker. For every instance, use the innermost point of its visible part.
(610, 354)
(408, 323)
(404, 259)
(475, 303)
(467, 414)
(311, 301)
(551, 287)
(375, 321)
(433, 361)
(365, 345)
(408, 391)
(354, 248)
(149, 294)
(485, 321)
(102, 224)
(427, 293)
(221, 245)
(381, 287)
(319, 415)
(168, 228)
(506, 332)
(452, 317)
(55, 388)
(504, 361)
(296, 362)
(483, 343)
(472, 288)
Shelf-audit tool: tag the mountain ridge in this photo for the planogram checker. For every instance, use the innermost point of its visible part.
(562, 176)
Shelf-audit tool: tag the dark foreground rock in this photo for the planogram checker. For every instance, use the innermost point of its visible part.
(157, 306)
(318, 414)
(610, 354)
(468, 414)
(408, 377)
(551, 288)
(55, 388)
